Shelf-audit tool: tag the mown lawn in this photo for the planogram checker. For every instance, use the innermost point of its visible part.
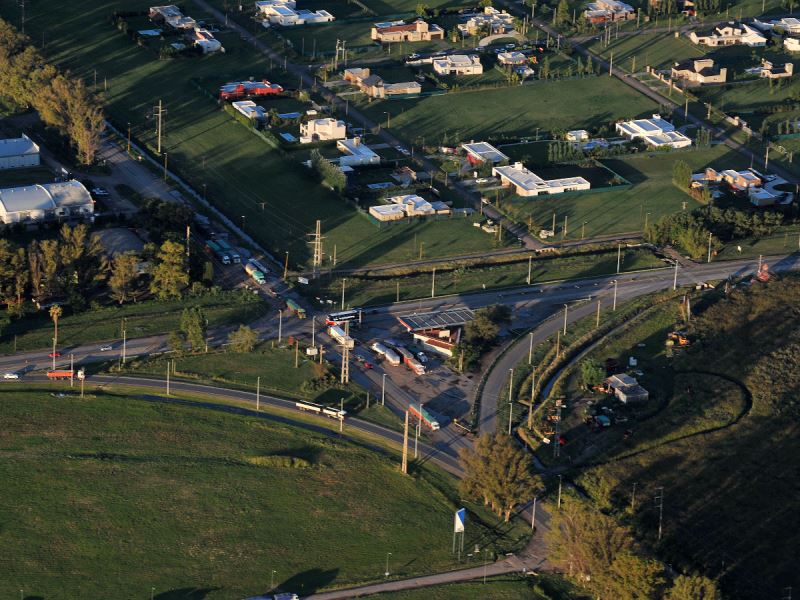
(622, 210)
(509, 112)
(657, 50)
(141, 319)
(204, 144)
(114, 496)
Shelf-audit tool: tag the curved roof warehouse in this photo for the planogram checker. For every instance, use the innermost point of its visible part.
(40, 202)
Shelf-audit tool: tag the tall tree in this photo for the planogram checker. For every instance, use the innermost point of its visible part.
(243, 339)
(562, 12)
(124, 273)
(193, 325)
(693, 587)
(169, 273)
(499, 472)
(629, 577)
(55, 313)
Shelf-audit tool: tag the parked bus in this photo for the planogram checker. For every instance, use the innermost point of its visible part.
(345, 316)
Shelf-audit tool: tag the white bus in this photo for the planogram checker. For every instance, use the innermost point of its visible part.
(346, 316)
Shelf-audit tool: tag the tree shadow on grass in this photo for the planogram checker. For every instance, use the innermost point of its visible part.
(308, 582)
(187, 593)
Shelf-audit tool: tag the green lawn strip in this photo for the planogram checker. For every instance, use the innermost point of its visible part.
(657, 50)
(366, 292)
(506, 587)
(128, 482)
(141, 319)
(559, 105)
(622, 210)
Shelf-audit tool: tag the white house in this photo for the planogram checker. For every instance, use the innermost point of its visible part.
(655, 132)
(410, 205)
(18, 152)
(727, 35)
(317, 130)
(577, 135)
(249, 109)
(284, 12)
(202, 38)
(480, 152)
(490, 20)
(458, 64)
(512, 58)
(527, 183)
(791, 44)
(356, 153)
(172, 16)
(45, 201)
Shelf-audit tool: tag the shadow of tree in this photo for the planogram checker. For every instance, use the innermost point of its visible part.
(308, 582)
(187, 593)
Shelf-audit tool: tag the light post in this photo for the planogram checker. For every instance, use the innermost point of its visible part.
(614, 307)
(583, 229)
(510, 398)
(646, 217)
(388, 554)
(530, 349)
(675, 278)
(243, 221)
(709, 247)
(272, 580)
(566, 311)
(280, 325)
(559, 489)
(619, 256)
(286, 266)
(533, 516)
(388, 119)
(344, 281)
(383, 390)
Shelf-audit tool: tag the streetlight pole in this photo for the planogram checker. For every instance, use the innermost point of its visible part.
(383, 390)
(559, 492)
(344, 281)
(286, 266)
(280, 325)
(566, 310)
(533, 515)
(619, 256)
(272, 580)
(709, 247)
(243, 221)
(510, 398)
(614, 307)
(433, 283)
(258, 392)
(675, 278)
(530, 349)
(530, 261)
(388, 554)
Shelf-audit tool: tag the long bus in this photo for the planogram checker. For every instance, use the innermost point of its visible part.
(345, 316)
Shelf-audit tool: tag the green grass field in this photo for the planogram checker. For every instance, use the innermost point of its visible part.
(588, 103)
(141, 319)
(274, 365)
(113, 496)
(204, 144)
(658, 50)
(623, 210)
(14, 177)
(720, 482)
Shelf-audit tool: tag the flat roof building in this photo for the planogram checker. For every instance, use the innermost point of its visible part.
(458, 64)
(356, 153)
(409, 205)
(479, 152)
(18, 152)
(398, 31)
(249, 109)
(492, 20)
(655, 132)
(527, 183)
(512, 58)
(45, 201)
(318, 130)
(375, 87)
(285, 13)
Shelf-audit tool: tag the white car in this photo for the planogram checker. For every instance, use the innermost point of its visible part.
(11, 376)
(106, 348)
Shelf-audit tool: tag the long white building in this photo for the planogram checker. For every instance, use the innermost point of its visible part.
(526, 183)
(41, 202)
(356, 153)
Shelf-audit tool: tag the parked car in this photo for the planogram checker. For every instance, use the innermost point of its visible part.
(106, 348)
(11, 376)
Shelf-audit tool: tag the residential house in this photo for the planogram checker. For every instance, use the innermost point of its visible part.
(45, 201)
(483, 152)
(788, 25)
(398, 31)
(527, 183)
(318, 130)
(655, 132)
(514, 59)
(458, 64)
(685, 7)
(791, 44)
(375, 87)
(172, 16)
(250, 109)
(18, 152)
(699, 72)
(626, 389)
(770, 71)
(202, 38)
(727, 35)
(604, 11)
(491, 22)
(356, 153)
(762, 190)
(577, 135)
(286, 14)
(410, 205)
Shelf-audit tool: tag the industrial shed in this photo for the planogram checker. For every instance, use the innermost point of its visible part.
(41, 202)
(18, 152)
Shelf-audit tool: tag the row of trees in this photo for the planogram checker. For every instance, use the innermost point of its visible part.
(328, 172)
(62, 100)
(74, 266)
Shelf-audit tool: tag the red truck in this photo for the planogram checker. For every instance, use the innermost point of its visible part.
(239, 90)
(62, 374)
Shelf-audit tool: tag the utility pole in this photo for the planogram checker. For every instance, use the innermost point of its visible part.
(416, 437)
(660, 501)
(533, 398)
(510, 398)
(675, 277)
(168, 365)
(709, 247)
(559, 492)
(346, 355)
(533, 516)
(317, 242)
(383, 390)
(159, 114)
(286, 267)
(433, 283)
(258, 393)
(71, 369)
(404, 466)
(530, 348)
(566, 309)
(558, 343)
(165, 166)
(280, 325)
(344, 281)
(614, 307)
(124, 345)
(530, 262)
(556, 445)
(619, 256)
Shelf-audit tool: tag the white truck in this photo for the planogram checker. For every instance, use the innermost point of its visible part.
(390, 355)
(338, 334)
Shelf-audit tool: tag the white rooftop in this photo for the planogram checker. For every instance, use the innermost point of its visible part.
(525, 179)
(46, 196)
(484, 151)
(355, 147)
(18, 146)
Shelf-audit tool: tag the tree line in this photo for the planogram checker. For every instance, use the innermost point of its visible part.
(62, 100)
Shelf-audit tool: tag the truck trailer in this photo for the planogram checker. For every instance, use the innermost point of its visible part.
(418, 410)
(295, 308)
(389, 355)
(227, 248)
(61, 374)
(255, 274)
(212, 247)
(338, 334)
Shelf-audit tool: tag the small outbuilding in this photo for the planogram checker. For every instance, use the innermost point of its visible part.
(18, 152)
